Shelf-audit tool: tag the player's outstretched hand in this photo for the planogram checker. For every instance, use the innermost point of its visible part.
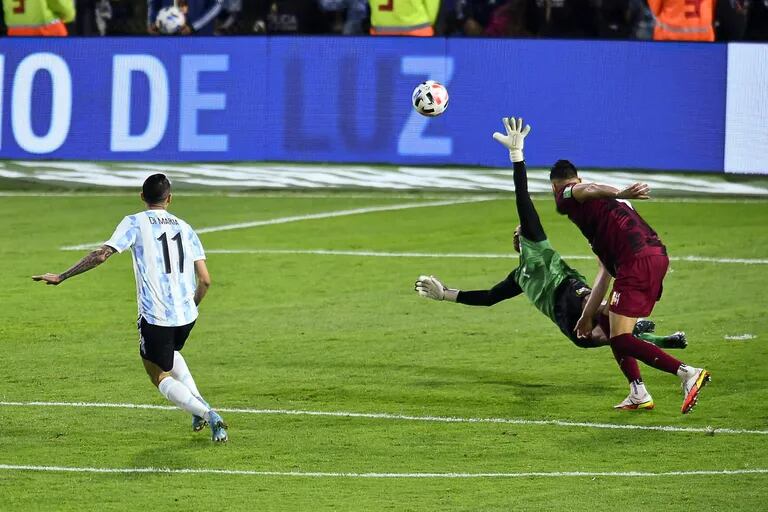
(48, 278)
(635, 191)
(514, 140)
(430, 287)
(584, 328)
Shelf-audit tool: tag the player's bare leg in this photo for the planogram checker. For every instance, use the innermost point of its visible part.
(182, 397)
(180, 372)
(625, 344)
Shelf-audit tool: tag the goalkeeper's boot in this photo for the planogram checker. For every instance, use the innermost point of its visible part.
(693, 382)
(644, 326)
(635, 402)
(198, 422)
(676, 340)
(218, 428)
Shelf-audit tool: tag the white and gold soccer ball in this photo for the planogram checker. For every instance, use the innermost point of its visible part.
(170, 20)
(430, 98)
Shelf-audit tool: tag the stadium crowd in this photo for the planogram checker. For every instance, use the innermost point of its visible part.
(691, 20)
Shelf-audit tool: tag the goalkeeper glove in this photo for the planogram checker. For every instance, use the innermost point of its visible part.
(430, 287)
(515, 137)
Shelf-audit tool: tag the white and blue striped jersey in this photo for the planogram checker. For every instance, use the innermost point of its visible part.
(164, 249)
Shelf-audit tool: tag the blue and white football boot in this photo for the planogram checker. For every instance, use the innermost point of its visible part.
(218, 428)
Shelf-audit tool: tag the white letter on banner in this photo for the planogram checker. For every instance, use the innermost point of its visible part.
(191, 100)
(61, 103)
(412, 141)
(122, 68)
(746, 129)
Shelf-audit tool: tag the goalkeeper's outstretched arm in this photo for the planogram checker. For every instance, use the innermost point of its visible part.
(432, 288)
(530, 224)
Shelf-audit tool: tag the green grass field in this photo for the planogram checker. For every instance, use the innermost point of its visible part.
(289, 332)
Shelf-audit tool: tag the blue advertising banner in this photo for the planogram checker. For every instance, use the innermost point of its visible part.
(331, 99)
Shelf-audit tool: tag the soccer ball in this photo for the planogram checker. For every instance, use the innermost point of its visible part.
(170, 20)
(430, 98)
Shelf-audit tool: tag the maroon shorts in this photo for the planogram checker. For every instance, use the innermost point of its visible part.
(638, 286)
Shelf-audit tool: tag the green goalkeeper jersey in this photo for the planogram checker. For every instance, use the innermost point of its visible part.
(540, 272)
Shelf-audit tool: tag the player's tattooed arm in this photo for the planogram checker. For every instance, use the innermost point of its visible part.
(586, 191)
(90, 261)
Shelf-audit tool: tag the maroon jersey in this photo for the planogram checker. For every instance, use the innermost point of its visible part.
(616, 232)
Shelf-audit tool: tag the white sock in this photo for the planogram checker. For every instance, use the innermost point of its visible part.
(685, 372)
(181, 373)
(637, 389)
(180, 395)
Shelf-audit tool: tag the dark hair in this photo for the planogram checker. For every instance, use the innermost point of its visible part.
(156, 189)
(562, 170)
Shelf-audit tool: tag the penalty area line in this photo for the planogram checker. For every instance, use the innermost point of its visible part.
(374, 475)
(315, 216)
(467, 255)
(405, 417)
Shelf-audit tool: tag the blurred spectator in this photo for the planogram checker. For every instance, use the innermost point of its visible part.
(509, 20)
(757, 21)
(290, 17)
(230, 11)
(347, 17)
(404, 17)
(642, 21)
(38, 17)
(92, 17)
(732, 16)
(473, 15)
(103, 16)
(683, 20)
(121, 17)
(200, 15)
(564, 18)
(613, 19)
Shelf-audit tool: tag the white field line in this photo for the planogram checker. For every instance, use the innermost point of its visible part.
(300, 194)
(340, 213)
(334, 474)
(372, 195)
(469, 255)
(314, 216)
(405, 417)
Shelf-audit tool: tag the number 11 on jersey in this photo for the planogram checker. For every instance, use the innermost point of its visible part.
(166, 253)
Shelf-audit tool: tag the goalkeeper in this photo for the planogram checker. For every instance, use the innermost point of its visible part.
(550, 284)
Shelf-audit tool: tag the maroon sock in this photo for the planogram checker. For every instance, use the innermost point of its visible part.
(628, 366)
(627, 345)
